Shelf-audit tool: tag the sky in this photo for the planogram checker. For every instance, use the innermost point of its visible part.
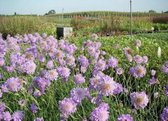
(41, 7)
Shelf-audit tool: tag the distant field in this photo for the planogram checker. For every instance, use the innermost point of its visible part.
(85, 22)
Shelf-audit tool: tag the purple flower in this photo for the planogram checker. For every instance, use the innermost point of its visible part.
(125, 117)
(153, 81)
(83, 61)
(33, 108)
(41, 83)
(78, 94)
(13, 84)
(100, 113)
(2, 62)
(67, 106)
(7, 116)
(51, 74)
(138, 59)
(39, 119)
(28, 67)
(164, 115)
(145, 59)
(50, 64)
(113, 62)
(94, 82)
(138, 71)
(70, 60)
(17, 116)
(100, 65)
(2, 107)
(108, 87)
(166, 90)
(79, 79)
(63, 72)
(165, 67)
(139, 99)
(1, 76)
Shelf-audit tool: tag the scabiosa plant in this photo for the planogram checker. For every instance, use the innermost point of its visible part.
(14, 84)
(125, 117)
(39, 119)
(139, 99)
(67, 106)
(164, 115)
(100, 113)
(138, 71)
(153, 81)
(108, 87)
(70, 60)
(79, 79)
(94, 82)
(165, 67)
(2, 62)
(78, 94)
(51, 74)
(28, 67)
(50, 64)
(33, 108)
(6, 116)
(112, 62)
(138, 59)
(41, 83)
(17, 116)
(63, 72)
(2, 107)
(83, 61)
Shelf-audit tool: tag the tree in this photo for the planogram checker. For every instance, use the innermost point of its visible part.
(152, 11)
(51, 12)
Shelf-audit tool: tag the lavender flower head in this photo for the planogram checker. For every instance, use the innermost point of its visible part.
(100, 113)
(164, 115)
(139, 99)
(51, 74)
(79, 79)
(138, 71)
(39, 119)
(2, 107)
(28, 67)
(108, 87)
(6, 116)
(83, 61)
(17, 116)
(33, 108)
(50, 64)
(138, 59)
(63, 72)
(113, 62)
(13, 84)
(78, 94)
(165, 68)
(125, 117)
(67, 106)
(2, 62)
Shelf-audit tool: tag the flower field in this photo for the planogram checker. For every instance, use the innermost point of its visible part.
(83, 79)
